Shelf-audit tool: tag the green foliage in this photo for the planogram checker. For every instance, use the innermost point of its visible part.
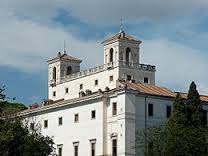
(16, 140)
(184, 134)
(9, 108)
(194, 107)
(2, 95)
(153, 144)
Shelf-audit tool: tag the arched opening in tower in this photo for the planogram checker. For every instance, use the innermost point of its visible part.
(54, 73)
(69, 70)
(111, 55)
(128, 53)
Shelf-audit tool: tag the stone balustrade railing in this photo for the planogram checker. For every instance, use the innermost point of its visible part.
(104, 67)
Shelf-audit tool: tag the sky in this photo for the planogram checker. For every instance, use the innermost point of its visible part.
(174, 35)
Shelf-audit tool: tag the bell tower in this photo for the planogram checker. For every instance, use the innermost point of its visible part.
(121, 48)
(62, 66)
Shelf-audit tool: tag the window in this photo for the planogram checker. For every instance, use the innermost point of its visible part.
(45, 123)
(59, 147)
(146, 80)
(60, 121)
(168, 111)
(150, 109)
(111, 55)
(93, 114)
(54, 93)
(76, 149)
(128, 77)
(69, 70)
(204, 117)
(111, 78)
(114, 147)
(96, 82)
(81, 86)
(92, 148)
(114, 105)
(76, 118)
(54, 73)
(128, 52)
(66, 90)
(32, 126)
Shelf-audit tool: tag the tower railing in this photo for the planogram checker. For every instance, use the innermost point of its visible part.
(108, 66)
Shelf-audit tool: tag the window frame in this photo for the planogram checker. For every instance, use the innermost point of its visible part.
(66, 90)
(96, 82)
(114, 109)
(45, 124)
(168, 111)
(150, 110)
(58, 148)
(54, 93)
(81, 86)
(114, 147)
(91, 144)
(93, 117)
(111, 78)
(76, 149)
(76, 118)
(60, 119)
(128, 76)
(146, 78)
(32, 126)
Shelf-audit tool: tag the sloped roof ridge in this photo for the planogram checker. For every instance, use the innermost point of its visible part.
(64, 56)
(121, 35)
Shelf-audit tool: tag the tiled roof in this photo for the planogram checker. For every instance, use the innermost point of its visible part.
(150, 89)
(158, 91)
(64, 56)
(202, 97)
(121, 35)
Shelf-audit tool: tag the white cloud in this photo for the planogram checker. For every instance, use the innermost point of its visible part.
(27, 39)
(105, 12)
(26, 45)
(177, 65)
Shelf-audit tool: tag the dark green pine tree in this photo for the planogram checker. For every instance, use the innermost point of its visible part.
(179, 110)
(175, 134)
(194, 111)
(185, 134)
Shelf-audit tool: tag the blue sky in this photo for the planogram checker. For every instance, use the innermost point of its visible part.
(174, 35)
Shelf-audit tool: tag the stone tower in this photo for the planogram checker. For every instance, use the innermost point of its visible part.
(121, 48)
(61, 67)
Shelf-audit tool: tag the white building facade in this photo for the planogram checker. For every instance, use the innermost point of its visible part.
(96, 112)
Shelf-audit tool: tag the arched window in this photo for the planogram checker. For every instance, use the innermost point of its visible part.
(111, 55)
(54, 73)
(69, 70)
(128, 53)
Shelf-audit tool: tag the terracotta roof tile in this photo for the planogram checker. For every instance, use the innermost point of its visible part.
(202, 97)
(121, 35)
(158, 91)
(151, 89)
(64, 56)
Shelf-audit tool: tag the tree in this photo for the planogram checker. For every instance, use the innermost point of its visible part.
(184, 134)
(193, 107)
(152, 143)
(16, 139)
(2, 95)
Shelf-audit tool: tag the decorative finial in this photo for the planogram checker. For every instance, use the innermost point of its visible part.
(64, 47)
(121, 25)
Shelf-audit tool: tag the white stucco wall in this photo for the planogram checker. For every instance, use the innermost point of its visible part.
(88, 83)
